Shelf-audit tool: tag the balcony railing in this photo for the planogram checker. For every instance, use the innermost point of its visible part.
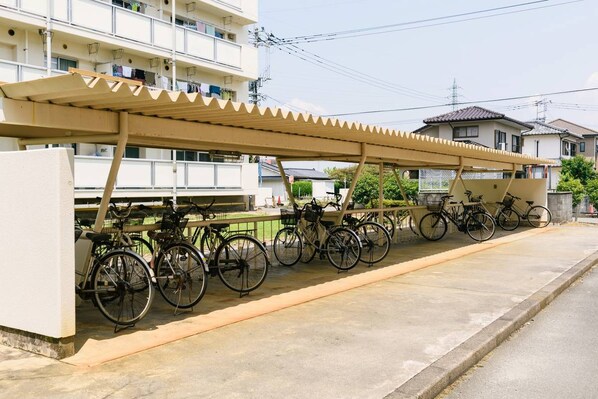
(149, 174)
(11, 72)
(134, 26)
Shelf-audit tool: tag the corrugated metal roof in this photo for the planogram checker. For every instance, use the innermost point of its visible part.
(473, 113)
(268, 131)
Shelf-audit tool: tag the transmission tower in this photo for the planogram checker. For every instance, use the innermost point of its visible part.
(454, 97)
(541, 109)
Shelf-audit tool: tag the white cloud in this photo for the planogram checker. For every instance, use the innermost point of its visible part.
(307, 106)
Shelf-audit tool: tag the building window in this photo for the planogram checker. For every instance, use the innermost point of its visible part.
(462, 132)
(573, 149)
(62, 64)
(516, 144)
(500, 140)
(131, 152)
(582, 146)
(566, 148)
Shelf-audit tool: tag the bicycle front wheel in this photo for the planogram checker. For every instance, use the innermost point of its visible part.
(375, 242)
(142, 247)
(343, 248)
(310, 242)
(508, 219)
(181, 275)
(122, 285)
(287, 246)
(432, 226)
(242, 263)
(539, 216)
(480, 226)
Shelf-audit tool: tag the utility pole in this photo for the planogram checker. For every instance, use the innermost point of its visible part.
(260, 39)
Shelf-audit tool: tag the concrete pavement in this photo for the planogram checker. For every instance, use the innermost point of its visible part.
(396, 335)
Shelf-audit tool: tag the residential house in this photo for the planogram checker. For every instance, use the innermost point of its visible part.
(548, 141)
(472, 125)
(270, 178)
(588, 144)
(198, 47)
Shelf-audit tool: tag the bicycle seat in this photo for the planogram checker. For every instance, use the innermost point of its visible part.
(529, 202)
(97, 237)
(220, 226)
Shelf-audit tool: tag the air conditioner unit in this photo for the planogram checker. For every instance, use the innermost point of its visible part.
(502, 146)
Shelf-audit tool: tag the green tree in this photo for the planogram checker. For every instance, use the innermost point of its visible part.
(302, 188)
(569, 183)
(579, 168)
(592, 192)
(366, 188)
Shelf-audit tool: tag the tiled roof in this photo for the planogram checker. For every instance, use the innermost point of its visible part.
(474, 113)
(271, 171)
(541, 128)
(573, 127)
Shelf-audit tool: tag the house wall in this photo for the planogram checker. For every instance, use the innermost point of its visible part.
(320, 188)
(485, 135)
(37, 246)
(549, 146)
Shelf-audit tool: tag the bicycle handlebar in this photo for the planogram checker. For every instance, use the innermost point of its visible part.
(513, 196)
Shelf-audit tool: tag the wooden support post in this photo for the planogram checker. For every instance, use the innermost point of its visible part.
(339, 219)
(123, 122)
(457, 177)
(287, 185)
(381, 193)
(405, 197)
(510, 181)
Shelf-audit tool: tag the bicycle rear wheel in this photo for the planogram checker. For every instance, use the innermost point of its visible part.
(287, 246)
(123, 289)
(508, 219)
(242, 263)
(142, 247)
(539, 216)
(343, 248)
(181, 274)
(375, 242)
(387, 221)
(432, 226)
(480, 226)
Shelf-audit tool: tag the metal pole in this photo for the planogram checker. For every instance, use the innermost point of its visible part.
(48, 34)
(173, 24)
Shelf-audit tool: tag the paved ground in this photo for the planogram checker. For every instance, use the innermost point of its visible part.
(396, 335)
(553, 355)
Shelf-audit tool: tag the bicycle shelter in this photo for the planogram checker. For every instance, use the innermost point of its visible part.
(82, 107)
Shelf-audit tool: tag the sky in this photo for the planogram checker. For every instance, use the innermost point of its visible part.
(540, 47)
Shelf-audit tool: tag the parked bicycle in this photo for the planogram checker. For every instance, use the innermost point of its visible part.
(477, 224)
(119, 282)
(239, 260)
(374, 238)
(510, 215)
(311, 235)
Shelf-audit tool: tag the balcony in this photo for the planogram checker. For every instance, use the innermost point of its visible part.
(117, 22)
(11, 72)
(148, 177)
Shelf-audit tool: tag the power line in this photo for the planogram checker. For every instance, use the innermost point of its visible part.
(465, 102)
(337, 36)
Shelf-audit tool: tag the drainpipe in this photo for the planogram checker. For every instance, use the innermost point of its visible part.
(173, 17)
(48, 34)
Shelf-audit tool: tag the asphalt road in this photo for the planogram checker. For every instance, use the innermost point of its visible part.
(553, 356)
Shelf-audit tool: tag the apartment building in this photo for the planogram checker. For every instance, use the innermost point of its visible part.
(196, 46)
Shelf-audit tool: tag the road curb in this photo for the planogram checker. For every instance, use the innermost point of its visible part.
(432, 380)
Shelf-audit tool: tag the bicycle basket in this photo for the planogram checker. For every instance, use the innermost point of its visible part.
(312, 213)
(434, 206)
(287, 217)
(508, 201)
(169, 222)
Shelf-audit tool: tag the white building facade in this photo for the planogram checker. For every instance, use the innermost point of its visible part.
(199, 46)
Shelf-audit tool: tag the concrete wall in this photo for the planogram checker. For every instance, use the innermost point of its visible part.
(561, 206)
(36, 243)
